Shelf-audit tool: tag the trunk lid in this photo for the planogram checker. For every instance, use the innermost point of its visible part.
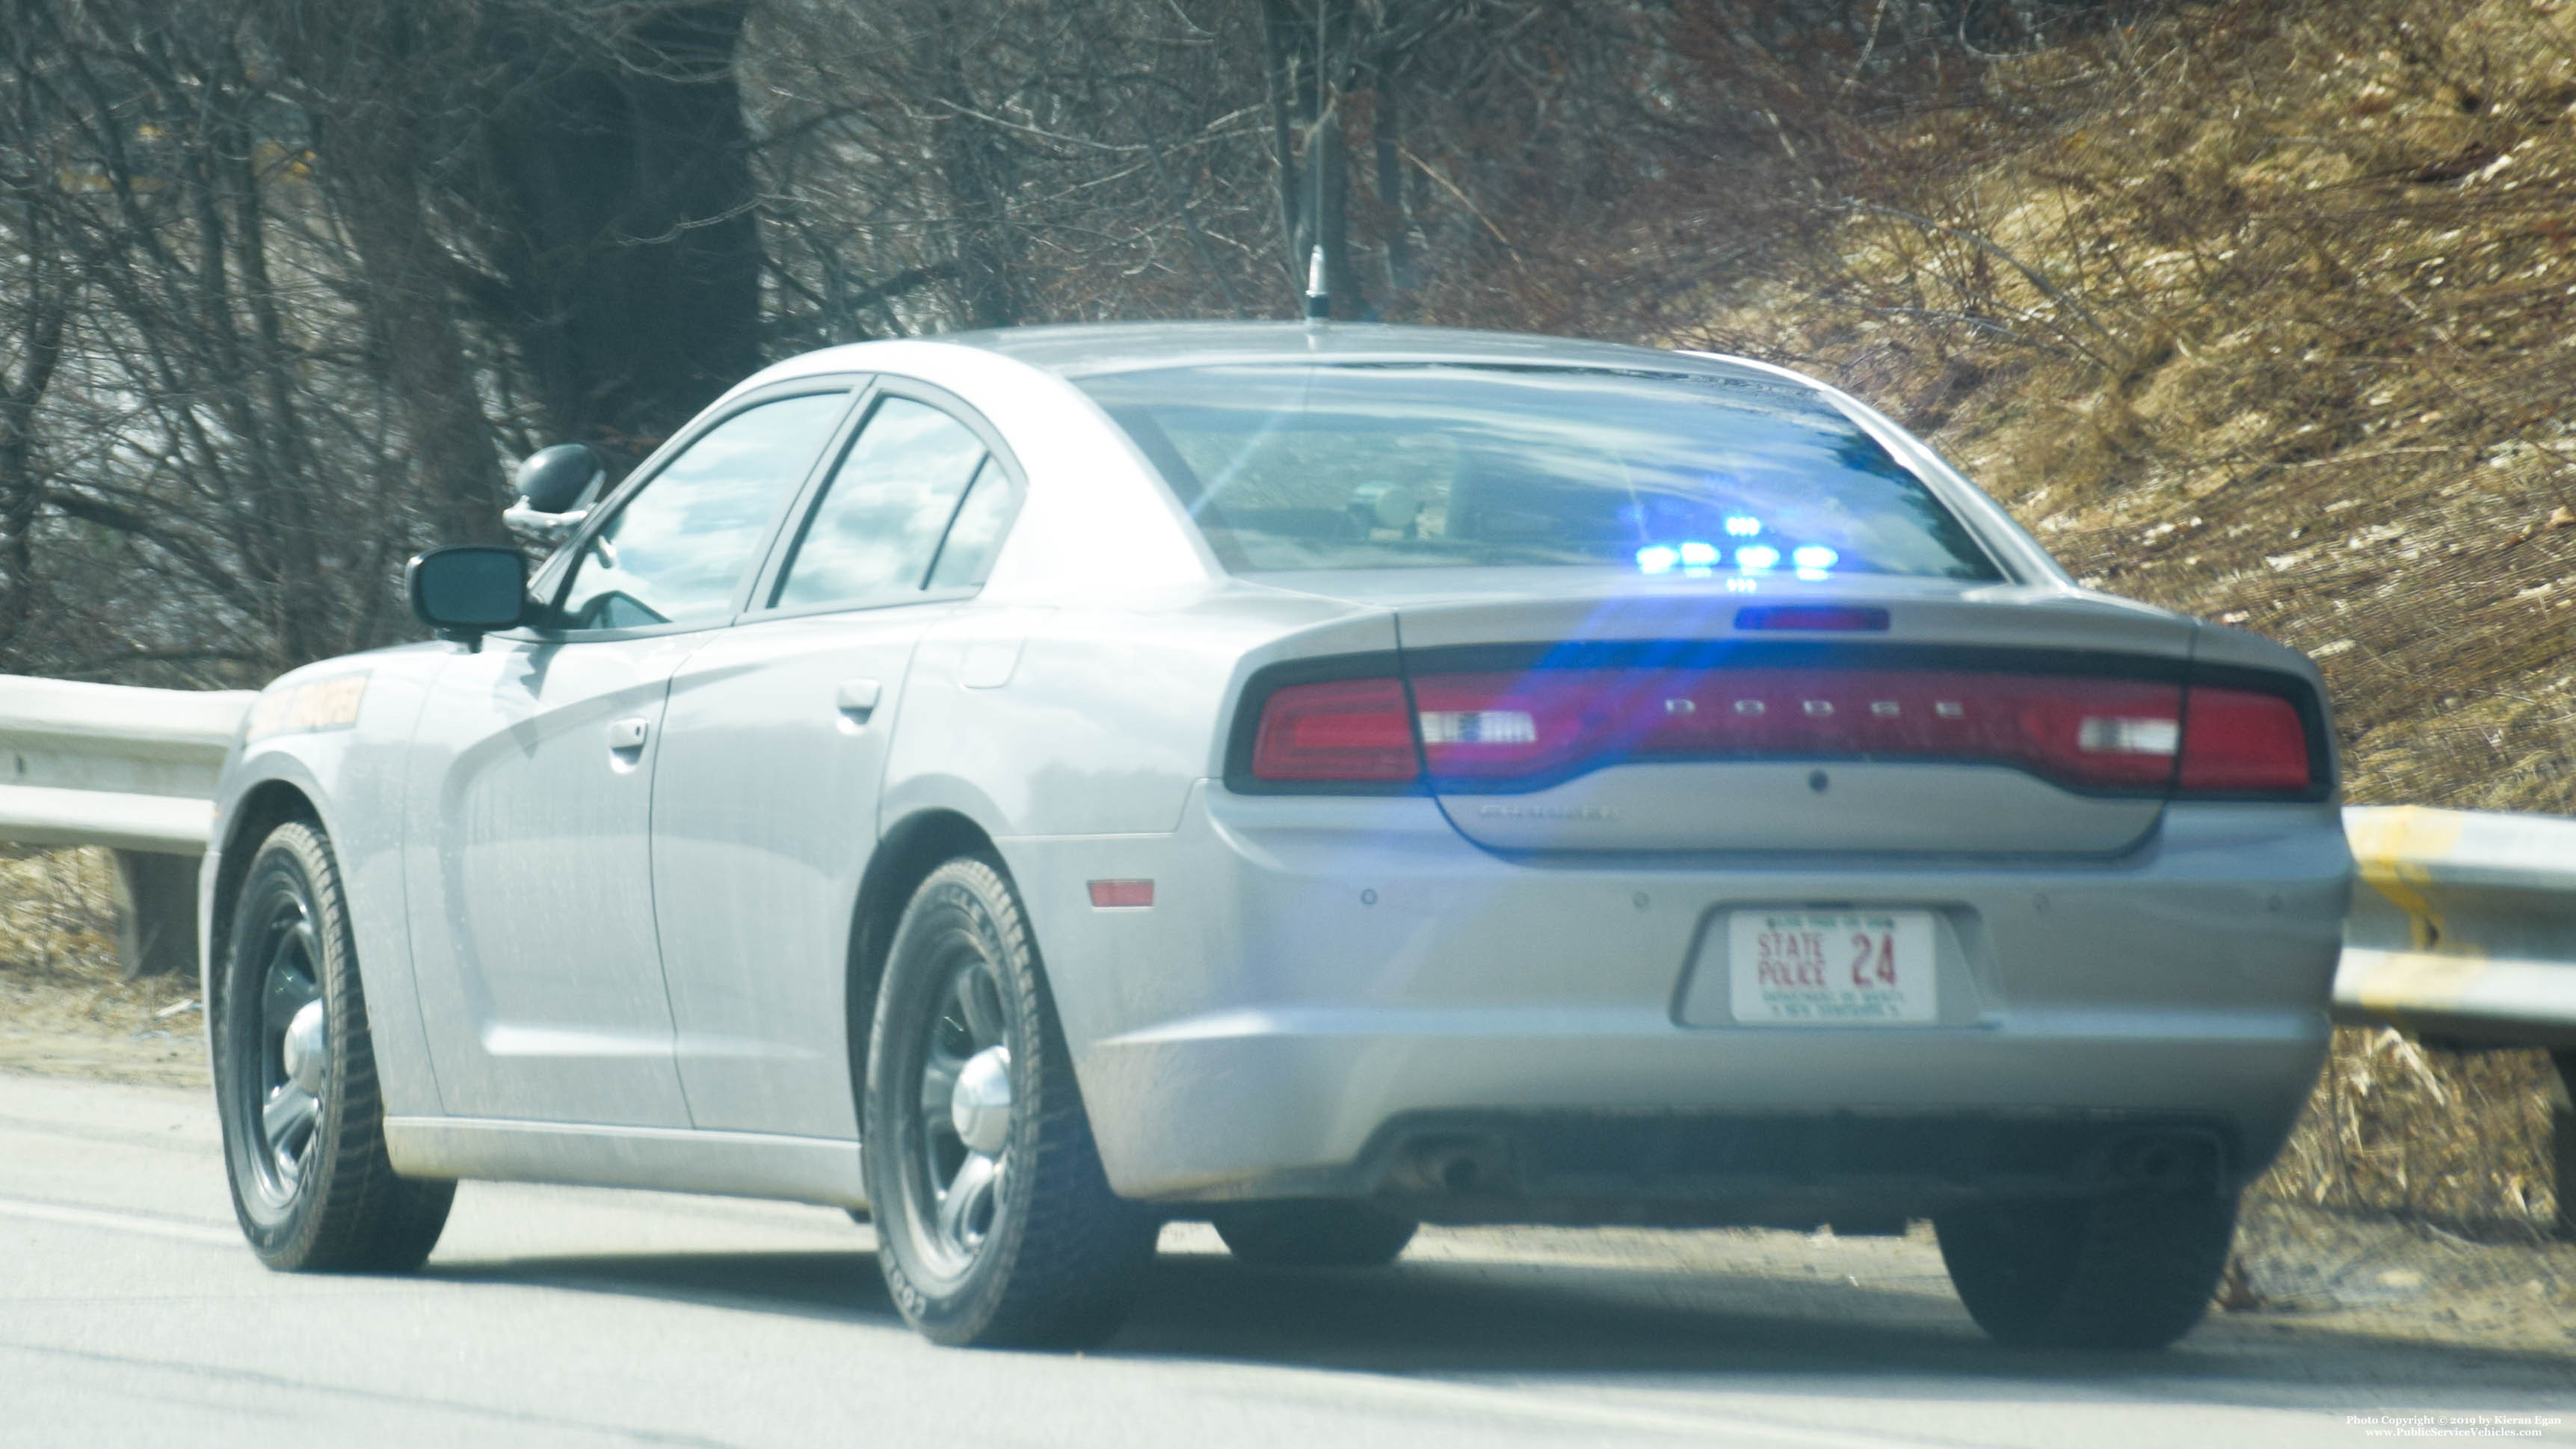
(1895, 715)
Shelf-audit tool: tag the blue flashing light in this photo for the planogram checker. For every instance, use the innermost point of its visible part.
(1816, 556)
(1656, 559)
(1740, 526)
(1699, 555)
(1759, 556)
(1814, 575)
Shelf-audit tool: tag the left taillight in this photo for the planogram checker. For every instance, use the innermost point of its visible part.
(1339, 730)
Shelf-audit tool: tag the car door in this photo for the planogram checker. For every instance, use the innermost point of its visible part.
(773, 748)
(529, 869)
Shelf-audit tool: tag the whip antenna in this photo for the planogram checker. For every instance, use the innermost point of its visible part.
(1319, 286)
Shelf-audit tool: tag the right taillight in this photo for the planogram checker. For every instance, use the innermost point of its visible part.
(2240, 741)
(1355, 730)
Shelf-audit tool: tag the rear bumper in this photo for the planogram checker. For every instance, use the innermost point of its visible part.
(1858, 1171)
(1324, 985)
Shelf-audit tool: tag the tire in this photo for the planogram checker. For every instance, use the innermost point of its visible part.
(1319, 1234)
(295, 1078)
(995, 1224)
(2129, 1271)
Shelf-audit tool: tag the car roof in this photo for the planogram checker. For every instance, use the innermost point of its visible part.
(1090, 349)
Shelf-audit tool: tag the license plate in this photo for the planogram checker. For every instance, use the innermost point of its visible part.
(1830, 968)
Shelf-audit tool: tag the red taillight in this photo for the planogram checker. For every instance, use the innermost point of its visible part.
(1342, 729)
(2238, 740)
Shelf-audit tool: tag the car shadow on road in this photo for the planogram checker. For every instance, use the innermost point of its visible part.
(1462, 1316)
(843, 1287)
(1522, 1318)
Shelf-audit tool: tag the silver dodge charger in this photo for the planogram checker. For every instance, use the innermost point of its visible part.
(1028, 787)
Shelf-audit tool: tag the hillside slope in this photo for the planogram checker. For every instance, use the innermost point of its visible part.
(2267, 312)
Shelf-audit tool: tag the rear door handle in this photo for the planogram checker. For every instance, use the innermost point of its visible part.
(858, 699)
(626, 737)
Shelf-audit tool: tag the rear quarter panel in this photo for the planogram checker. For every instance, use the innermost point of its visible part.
(1074, 734)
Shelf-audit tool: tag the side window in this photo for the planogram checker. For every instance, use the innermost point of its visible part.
(676, 550)
(885, 509)
(976, 533)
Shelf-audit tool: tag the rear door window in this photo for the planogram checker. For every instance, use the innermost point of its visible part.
(877, 530)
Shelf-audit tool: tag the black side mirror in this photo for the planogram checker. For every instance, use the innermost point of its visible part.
(551, 482)
(553, 479)
(467, 590)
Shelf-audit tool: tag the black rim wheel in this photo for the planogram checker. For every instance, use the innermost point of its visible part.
(288, 1036)
(956, 1168)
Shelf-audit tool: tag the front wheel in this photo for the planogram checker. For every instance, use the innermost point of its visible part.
(2134, 1270)
(995, 1223)
(295, 1078)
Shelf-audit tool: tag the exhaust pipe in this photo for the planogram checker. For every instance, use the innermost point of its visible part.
(1457, 1166)
(2168, 1163)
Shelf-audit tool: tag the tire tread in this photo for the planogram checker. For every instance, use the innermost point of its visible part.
(2126, 1271)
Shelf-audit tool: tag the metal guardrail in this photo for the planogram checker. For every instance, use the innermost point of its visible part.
(2464, 931)
(130, 769)
(104, 764)
(2463, 927)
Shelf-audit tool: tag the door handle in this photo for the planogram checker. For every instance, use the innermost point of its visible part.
(626, 737)
(857, 700)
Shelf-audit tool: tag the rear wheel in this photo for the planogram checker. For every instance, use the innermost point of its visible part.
(295, 1078)
(995, 1223)
(2134, 1270)
(1321, 1234)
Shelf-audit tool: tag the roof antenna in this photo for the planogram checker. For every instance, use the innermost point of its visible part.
(1319, 285)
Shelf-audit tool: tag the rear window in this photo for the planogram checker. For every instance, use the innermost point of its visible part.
(1338, 466)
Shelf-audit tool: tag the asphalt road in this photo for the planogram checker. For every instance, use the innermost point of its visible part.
(131, 1314)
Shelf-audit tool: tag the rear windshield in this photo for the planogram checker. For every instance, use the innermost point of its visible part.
(1341, 465)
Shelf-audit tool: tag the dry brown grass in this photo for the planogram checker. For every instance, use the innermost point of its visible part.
(2458, 1141)
(63, 1010)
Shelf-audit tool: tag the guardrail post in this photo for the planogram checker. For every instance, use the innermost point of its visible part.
(156, 913)
(2562, 1139)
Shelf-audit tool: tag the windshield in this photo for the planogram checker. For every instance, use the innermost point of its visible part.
(1343, 465)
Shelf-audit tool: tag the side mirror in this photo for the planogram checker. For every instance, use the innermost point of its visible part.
(550, 482)
(467, 590)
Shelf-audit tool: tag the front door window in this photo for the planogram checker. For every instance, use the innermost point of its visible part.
(677, 551)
